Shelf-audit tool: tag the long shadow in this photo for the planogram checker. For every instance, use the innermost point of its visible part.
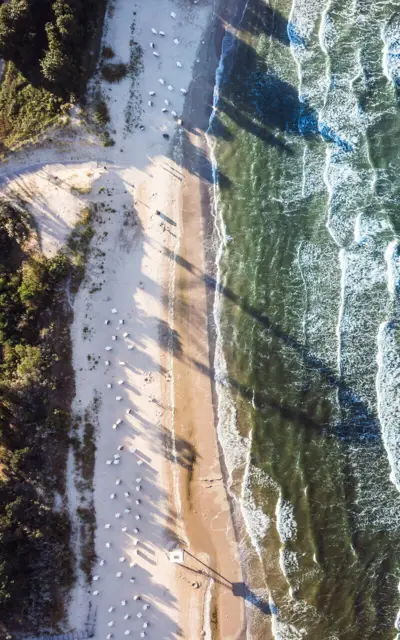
(358, 421)
(239, 589)
(259, 18)
(258, 101)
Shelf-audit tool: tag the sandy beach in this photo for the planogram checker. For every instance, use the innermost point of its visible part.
(141, 334)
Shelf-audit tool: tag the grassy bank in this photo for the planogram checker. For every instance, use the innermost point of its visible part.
(51, 48)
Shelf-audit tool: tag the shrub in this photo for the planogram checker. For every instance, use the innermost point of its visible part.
(101, 114)
(108, 53)
(114, 71)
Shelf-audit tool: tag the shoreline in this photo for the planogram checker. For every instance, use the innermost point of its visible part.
(228, 595)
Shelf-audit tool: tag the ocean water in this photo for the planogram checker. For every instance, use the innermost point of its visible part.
(305, 141)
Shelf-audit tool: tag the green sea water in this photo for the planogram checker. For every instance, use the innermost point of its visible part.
(305, 138)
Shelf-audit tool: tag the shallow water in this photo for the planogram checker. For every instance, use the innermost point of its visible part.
(305, 138)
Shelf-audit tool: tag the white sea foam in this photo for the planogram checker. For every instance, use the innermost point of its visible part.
(388, 376)
(390, 35)
(285, 520)
(257, 522)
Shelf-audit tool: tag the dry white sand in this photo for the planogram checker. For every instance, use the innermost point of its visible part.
(139, 175)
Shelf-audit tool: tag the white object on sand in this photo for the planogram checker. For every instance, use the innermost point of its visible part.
(108, 545)
(127, 494)
(152, 93)
(173, 14)
(107, 362)
(123, 603)
(114, 311)
(132, 449)
(177, 556)
(109, 386)
(109, 462)
(136, 530)
(139, 479)
(95, 593)
(137, 517)
(118, 481)
(118, 574)
(127, 616)
(176, 40)
(138, 488)
(120, 382)
(113, 337)
(149, 104)
(118, 398)
(122, 559)
(136, 597)
(183, 91)
(122, 363)
(111, 623)
(125, 334)
(151, 45)
(120, 447)
(102, 563)
(127, 510)
(137, 501)
(156, 54)
(107, 526)
(145, 625)
(142, 634)
(127, 632)
(130, 347)
(108, 348)
(106, 322)
(161, 33)
(136, 542)
(174, 114)
(116, 456)
(128, 411)
(111, 609)
(118, 515)
(153, 30)
(166, 102)
(120, 321)
(112, 496)
(124, 529)
(178, 64)
(139, 615)
(109, 636)
(164, 110)
(96, 578)
(118, 421)
(114, 426)
(116, 462)
(132, 580)
(170, 87)
(146, 606)
(140, 462)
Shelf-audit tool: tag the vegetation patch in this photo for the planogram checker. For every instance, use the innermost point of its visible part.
(78, 245)
(108, 53)
(114, 71)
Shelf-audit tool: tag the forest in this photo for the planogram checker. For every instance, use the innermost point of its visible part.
(36, 386)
